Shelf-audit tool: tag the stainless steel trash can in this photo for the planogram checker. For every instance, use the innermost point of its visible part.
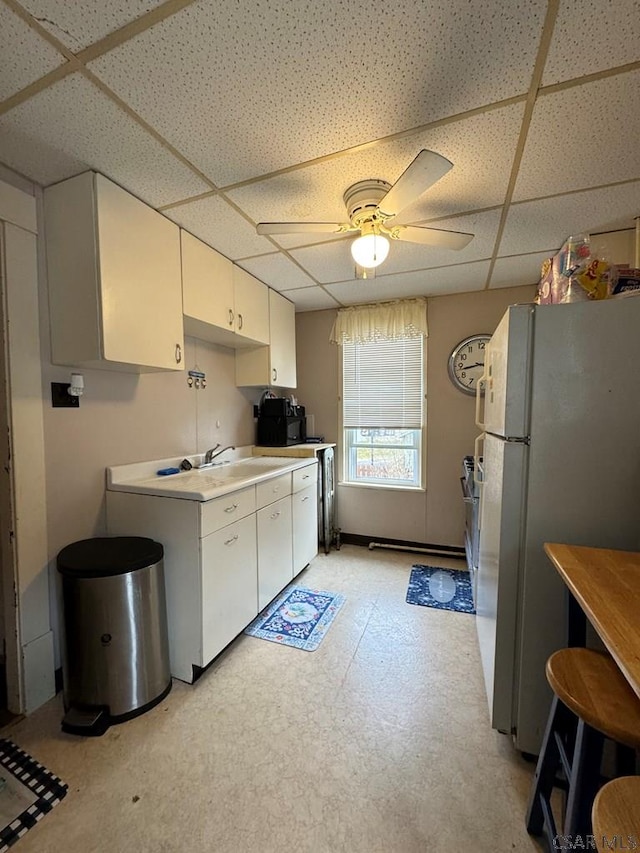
(116, 651)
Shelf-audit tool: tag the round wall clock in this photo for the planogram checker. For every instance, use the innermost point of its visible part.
(466, 362)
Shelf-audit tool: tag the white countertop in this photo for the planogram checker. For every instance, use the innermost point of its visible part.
(300, 450)
(199, 484)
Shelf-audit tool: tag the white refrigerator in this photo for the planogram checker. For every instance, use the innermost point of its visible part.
(560, 448)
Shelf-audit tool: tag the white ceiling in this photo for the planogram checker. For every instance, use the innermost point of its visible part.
(224, 114)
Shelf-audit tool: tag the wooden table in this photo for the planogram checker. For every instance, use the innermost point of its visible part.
(606, 585)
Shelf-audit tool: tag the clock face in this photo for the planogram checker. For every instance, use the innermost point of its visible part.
(466, 362)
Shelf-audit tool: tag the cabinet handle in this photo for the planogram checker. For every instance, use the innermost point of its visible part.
(230, 317)
(275, 514)
(275, 374)
(178, 353)
(306, 476)
(275, 489)
(239, 321)
(231, 508)
(305, 498)
(232, 540)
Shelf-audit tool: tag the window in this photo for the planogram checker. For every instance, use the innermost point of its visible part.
(382, 412)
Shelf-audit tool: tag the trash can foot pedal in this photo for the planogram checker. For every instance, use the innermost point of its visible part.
(90, 721)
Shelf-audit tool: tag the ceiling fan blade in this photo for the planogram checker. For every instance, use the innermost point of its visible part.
(301, 228)
(427, 168)
(433, 236)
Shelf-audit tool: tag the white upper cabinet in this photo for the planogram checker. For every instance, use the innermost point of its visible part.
(207, 291)
(274, 365)
(221, 302)
(251, 307)
(115, 289)
(282, 324)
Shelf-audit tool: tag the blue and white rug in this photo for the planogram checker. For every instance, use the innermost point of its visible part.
(299, 617)
(444, 589)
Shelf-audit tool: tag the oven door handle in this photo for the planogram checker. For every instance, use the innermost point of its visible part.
(465, 494)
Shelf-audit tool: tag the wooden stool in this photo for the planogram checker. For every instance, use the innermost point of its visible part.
(616, 813)
(592, 701)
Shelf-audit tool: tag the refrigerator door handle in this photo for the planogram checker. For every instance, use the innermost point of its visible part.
(479, 397)
(476, 458)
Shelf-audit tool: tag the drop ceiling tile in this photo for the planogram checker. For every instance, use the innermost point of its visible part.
(311, 299)
(72, 126)
(328, 262)
(278, 272)
(279, 83)
(591, 36)
(542, 226)
(84, 22)
(481, 148)
(514, 271)
(217, 223)
(457, 279)
(582, 137)
(26, 56)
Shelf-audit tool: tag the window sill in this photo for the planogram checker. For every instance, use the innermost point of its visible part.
(381, 486)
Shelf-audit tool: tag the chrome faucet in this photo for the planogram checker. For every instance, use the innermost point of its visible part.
(210, 455)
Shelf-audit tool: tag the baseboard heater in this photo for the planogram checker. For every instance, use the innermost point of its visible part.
(400, 545)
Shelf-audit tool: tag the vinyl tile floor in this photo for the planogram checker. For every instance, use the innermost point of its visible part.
(377, 741)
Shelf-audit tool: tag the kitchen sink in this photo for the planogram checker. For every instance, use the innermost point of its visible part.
(199, 484)
(251, 467)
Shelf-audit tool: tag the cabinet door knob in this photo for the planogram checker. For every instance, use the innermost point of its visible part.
(178, 353)
(231, 508)
(239, 321)
(230, 317)
(275, 374)
(232, 540)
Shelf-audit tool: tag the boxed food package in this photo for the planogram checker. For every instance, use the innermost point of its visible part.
(543, 296)
(628, 282)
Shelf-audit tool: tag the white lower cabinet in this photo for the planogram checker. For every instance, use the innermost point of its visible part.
(304, 507)
(275, 553)
(229, 588)
(224, 559)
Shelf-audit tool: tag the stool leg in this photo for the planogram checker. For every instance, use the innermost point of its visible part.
(625, 760)
(585, 780)
(546, 769)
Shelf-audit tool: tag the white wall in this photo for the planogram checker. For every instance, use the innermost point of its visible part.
(435, 516)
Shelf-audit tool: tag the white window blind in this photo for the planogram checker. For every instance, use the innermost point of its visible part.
(382, 385)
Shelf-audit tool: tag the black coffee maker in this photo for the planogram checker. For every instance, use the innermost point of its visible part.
(280, 423)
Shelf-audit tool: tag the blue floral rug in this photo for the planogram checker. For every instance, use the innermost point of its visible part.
(445, 589)
(299, 617)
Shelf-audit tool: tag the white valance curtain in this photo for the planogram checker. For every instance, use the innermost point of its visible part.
(390, 321)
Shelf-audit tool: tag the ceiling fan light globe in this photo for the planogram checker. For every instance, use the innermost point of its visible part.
(370, 250)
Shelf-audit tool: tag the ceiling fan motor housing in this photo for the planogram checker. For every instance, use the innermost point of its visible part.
(362, 199)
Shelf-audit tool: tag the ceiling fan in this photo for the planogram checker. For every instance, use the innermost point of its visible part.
(373, 203)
